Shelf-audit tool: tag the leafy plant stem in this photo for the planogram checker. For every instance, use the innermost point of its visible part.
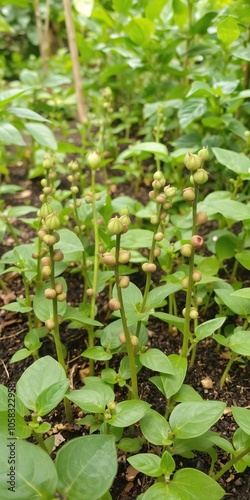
(231, 462)
(38, 438)
(226, 371)
(130, 348)
(186, 332)
(95, 270)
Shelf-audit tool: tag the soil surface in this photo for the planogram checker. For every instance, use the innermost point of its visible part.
(204, 377)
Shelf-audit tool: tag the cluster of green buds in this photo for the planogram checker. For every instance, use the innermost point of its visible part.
(48, 181)
(107, 99)
(161, 193)
(133, 338)
(109, 410)
(119, 225)
(194, 163)
(109, 258)
(55, 293)
(50, 223)
(74, 177)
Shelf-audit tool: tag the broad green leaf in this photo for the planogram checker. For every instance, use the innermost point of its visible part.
(180, 11)
(137, 238)
(140, 30)
(93, 398)
(158, 294)
(170, 318)
(27, 114)
(209, 266)
(204, 23)
(230, 209)
(10, 95)
(173, 383)
(239, 342)
(122, 6)
(242, 418)
(189, 420)
(42, 134)
(86, 467)
(10, 135)
(244, 259)
(69, 244)
(38, 377)
(19, 355)
(97, 353)
(155, 428)
(130, 444)
(154, 8)
(208, 328)
(242, 52)
(128, 413)
(155, 148)
(237, 162)
(17, 307)
(167, 463)
(35, 473)
(156, 360)
(19, 429)
(191, 110)
(5, 398)
(19, 212)
(29, 77)
(50, 397)
(238, 304)
(228, 30)
(243, 292)
(74, 314)
(147, 463)
(200, 89)
(186, 394)
(43, 308)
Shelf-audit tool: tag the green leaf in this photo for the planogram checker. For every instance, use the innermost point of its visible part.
(130, 444)
(140, 30)
(122, 6)
(19, 355)
(10, 95)
(204, 23)
(147, 463)
(200, 89)
(128, 413)
(180, 10)
(43, 308)
(35, 473)
(156, 360)
(191, 110)
(17, 307)
(239, 342)
(4, 26)
(93, 397)
(154, 8)
(209, 266)
(242, 418)
(10, 135)
(155, 428)
(242, 52)
(137, 238)
(230, 209)
(86, 467)
(208, 328)
(42, 134)
(74, 314)
(38, 377)
(155, 148)
(167, 463)
(158, 294)
(170, 318)
(237, 304)
(239, 163)
(243, 292)
(173, 383)
(50, 397)
(27, 114)
(20, 429)
(69, 244)
(244, 259)
(97, 353)
(189, 420)
(186, 394)
(228, 30)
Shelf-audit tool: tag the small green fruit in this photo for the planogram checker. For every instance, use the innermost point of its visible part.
(192, 162)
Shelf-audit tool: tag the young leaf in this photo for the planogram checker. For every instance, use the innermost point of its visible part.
(42, 134)
(130, 444)
(86, 467)
(186, 394)
(189, 420)
(93, 398)
(35, 473)
(19, 429)
(97, 353)
(50, 397)
(10, 135)
(239, 163)
(172, 383)
(155, 428)
(128, 413)
(239, 342)
(228, 30)
(167, 464)
(156, 360)
(38, 377)
(158, 294)
(242, 418)
(208, 328)
(147, 463)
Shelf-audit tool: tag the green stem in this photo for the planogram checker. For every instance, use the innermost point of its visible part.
(226, 371)
(39, 439)
(231, 462)
(27, 300)
(129, 345)
(12, 232)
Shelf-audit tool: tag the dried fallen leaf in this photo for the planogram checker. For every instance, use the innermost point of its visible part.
(227, 411)
(131, 473)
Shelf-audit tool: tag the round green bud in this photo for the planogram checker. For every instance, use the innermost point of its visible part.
(148, 267)
(115, 226)
(58, 255)
(188, 194)
(200, 176)
(159, 236)
(203, 153)
(154, 220)
(185, 282)
(186, 250)
(93, 160)
(52, 222)
(124, 282)
(61, 297)
(170, 191)
(192, 162)
(114, 305)
(134, 340)
(108, 258)
(157, 252)
(50, 293)
(50, 240)
(58, 288)
(46, 271)
(45, 261)
(201, 218)
(50, 324)
(197, 276)
(124, 256)
(44, 211)
(122, 338)
(196, 241)
(74, 189)
(193, 313)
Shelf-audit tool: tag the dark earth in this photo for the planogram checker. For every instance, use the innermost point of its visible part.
(204, 377)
